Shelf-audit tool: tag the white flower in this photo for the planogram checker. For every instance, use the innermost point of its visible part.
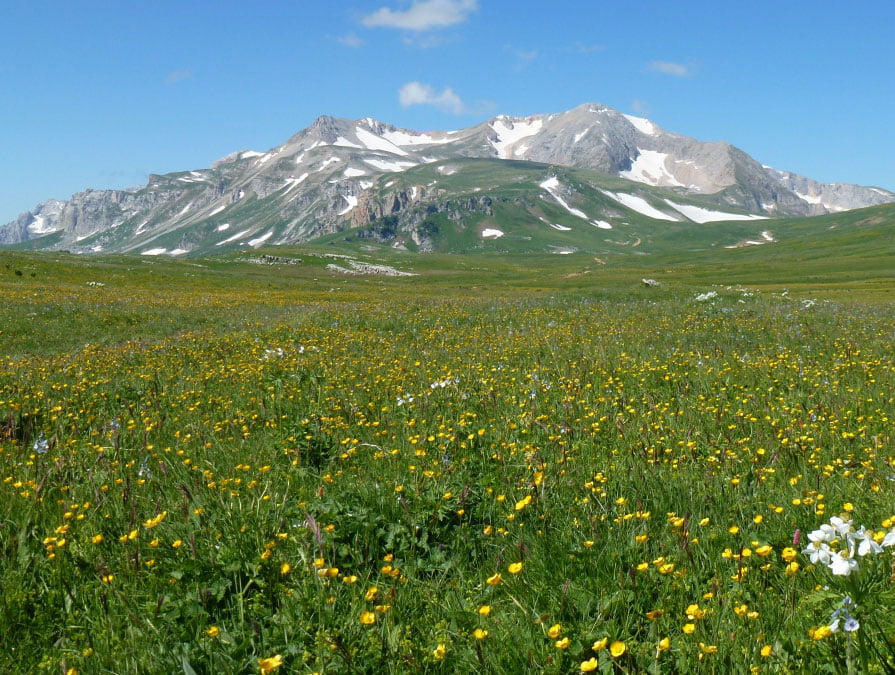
(865, 543)
(842, 565)
(889, 539)
(818, 552)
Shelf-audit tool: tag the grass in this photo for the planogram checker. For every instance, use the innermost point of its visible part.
(514, 464)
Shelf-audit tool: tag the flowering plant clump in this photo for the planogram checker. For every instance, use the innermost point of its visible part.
(838, 546)
(842, 561)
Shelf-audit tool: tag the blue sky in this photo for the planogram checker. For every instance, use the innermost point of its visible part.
(100, 94)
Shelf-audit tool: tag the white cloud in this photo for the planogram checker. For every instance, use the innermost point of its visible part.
(350, 40)
(418, 93)
(176, 76)
(422, 15)
(669, 68)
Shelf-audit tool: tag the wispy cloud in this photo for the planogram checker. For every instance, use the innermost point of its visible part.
(639, 106)
(524, 57)
(668, 68)
(418, 93)
(350, 40)
(582, 48)
(176, 76)
(422, 15)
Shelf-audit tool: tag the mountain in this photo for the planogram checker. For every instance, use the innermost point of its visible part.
(409, 187)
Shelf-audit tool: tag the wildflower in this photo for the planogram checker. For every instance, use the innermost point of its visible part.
(766, 651)
(664, 644)
(788, 554)
(270, 664)
(371, 594)
(439, 652)
(522, 503)
(97, 539)
(563, 643)
(480, 634)
(689, 628)
(589, 665)
(599, 645)
(485, 610)
(494, 579)
(367, 618)
(617, 648)
(285, 568)
(554, 631)
(515, 568)
(212, 631)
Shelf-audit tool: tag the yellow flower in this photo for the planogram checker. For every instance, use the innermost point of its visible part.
(97, 539)
(212, 631)
(177, 544)
(554, 631)
(689, 628)
(439, 652)
(617, 648)
(655, 614)
(694, 612)
(350, 579)
(480, 634)
(515, 568)
(285, 568)
(563, 644)
(589, 665)
(494, 579)
(766, 651)
(367, 618)
(819, 633)
(522, 503)
(485, 610)
(707, 649)
(788, 554)
(599, 645)
(371, 594)
(791, 568)
(270, 664)
(764, 551)
(664, 644)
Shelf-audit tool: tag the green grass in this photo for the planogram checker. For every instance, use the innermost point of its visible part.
(206, 463)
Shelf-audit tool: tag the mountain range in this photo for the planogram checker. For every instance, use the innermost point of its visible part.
(560, 182)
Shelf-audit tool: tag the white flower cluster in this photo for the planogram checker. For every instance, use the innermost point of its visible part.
(702, 297)
(860, 542)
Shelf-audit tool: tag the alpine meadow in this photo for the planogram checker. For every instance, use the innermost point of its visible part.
(447, 337)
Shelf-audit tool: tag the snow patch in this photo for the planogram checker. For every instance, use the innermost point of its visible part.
(643, 125)
(509, 133)
(374, 142)
(404, 138)
(700, 215)
(154, 251)
(352, 202)
(178, 251)
(351, 172)
(327, 162)
(447, 170)
(552, 186)
(291, 183)
(491, 233)
(639, 204)
(217, 210)
(238, 235)
(223, 227)
(345, 143)
(39, 226)
(249, 153)
(602, 224)
(649, 168)
(255, 243)
(578, 137)
(384, 165)
(561, 228)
